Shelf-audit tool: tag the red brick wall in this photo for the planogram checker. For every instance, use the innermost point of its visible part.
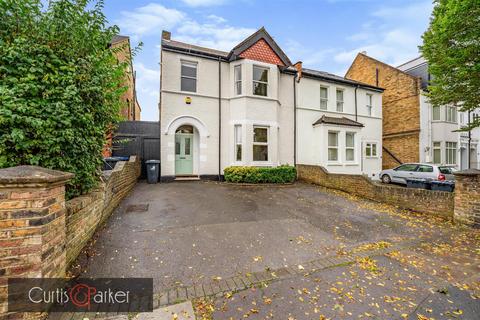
(437, 203)
(261, 51)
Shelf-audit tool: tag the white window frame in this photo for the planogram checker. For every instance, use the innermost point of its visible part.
(369, 104)
(237, 135)
(370, 144)
(453, 151)
(337, 133)
(235, 81)
(439, 113)
(257, 81)
(340, 102)
(322, 99)
(451, 114)
(254, 143)
(190, 64)
(353, 148)
(436, 148)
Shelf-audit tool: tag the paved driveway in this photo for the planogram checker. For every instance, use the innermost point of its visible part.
(195, 232)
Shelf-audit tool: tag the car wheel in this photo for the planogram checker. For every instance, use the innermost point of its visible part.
(386, 179)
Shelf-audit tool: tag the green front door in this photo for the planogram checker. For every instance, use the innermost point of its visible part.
(183, 153)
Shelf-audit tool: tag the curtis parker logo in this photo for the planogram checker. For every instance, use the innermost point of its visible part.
(81, 295)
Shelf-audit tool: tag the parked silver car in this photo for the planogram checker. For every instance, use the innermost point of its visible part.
(429, 172)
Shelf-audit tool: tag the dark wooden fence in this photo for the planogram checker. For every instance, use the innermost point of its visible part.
(140, 138)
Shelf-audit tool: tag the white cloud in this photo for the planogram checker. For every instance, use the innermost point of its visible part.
(203, 3)
(222, 37)
(149, 19)
(216, 19)
(392, 34)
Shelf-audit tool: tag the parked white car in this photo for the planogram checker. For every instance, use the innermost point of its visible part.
(426, 171)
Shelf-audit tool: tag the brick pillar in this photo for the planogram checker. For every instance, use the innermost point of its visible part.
(467, 197)
(32, 226)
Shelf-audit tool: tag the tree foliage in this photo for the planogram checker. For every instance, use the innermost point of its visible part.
(60, 87)
(451, 45)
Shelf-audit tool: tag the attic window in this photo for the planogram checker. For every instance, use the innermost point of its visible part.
(260, 81)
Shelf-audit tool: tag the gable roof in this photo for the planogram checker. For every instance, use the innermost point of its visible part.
(343, 121)
(254, 38)
(173, 45)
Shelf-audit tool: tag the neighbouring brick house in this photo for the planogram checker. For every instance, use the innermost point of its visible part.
(413, 130)
(131, 111)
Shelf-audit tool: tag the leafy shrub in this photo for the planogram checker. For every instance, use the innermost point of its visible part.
(60, 87)
(281, 174)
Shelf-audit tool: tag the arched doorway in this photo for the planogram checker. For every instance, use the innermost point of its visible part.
(184, 150)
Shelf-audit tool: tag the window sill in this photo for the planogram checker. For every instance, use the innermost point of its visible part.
(352, 164)
(261, 164)
(334, 164)
(371, 157)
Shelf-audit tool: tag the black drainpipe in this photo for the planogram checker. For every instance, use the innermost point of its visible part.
(219, 119)
(295, 120)
(356, 108)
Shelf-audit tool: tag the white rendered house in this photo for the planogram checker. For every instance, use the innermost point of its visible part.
(440, 143)
(251, 107)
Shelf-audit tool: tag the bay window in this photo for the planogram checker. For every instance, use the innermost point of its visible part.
(437, 153)
(436, 113)
(260, 143)
(237, 73)
(350, 146)
(260, 81)
(238, 142)
(451, 152)
(332, 146)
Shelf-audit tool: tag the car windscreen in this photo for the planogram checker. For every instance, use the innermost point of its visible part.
(445, 170)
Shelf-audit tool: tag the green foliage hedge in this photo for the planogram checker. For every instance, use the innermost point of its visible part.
(281, 174)
(60, 87)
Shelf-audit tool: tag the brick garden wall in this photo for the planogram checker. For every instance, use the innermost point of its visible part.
(40, 233)
(436, 203)
(467, 197)
(86, 213)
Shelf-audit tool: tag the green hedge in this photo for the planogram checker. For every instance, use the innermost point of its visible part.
(281, 174)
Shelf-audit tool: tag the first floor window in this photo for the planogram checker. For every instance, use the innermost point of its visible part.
(238, 79)
(451, 152)
(451, 114)
(238, 142)
(371, 149)
(260, 144)
(350, 146)
(369, 104)
(332, 146)
(437, 152)
(323, 98)
(436, 113)
(260, 81)
(189, 76)
(339, 100)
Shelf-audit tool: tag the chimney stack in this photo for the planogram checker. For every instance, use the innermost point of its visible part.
(298, 66)
(166, 35)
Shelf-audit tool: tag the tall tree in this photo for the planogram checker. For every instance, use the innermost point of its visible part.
(451, 45)
(60, 87)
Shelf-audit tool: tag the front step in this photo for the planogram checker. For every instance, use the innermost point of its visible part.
(187, 178)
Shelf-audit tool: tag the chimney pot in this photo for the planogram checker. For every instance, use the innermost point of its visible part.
(166, 35)
(298, 66)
